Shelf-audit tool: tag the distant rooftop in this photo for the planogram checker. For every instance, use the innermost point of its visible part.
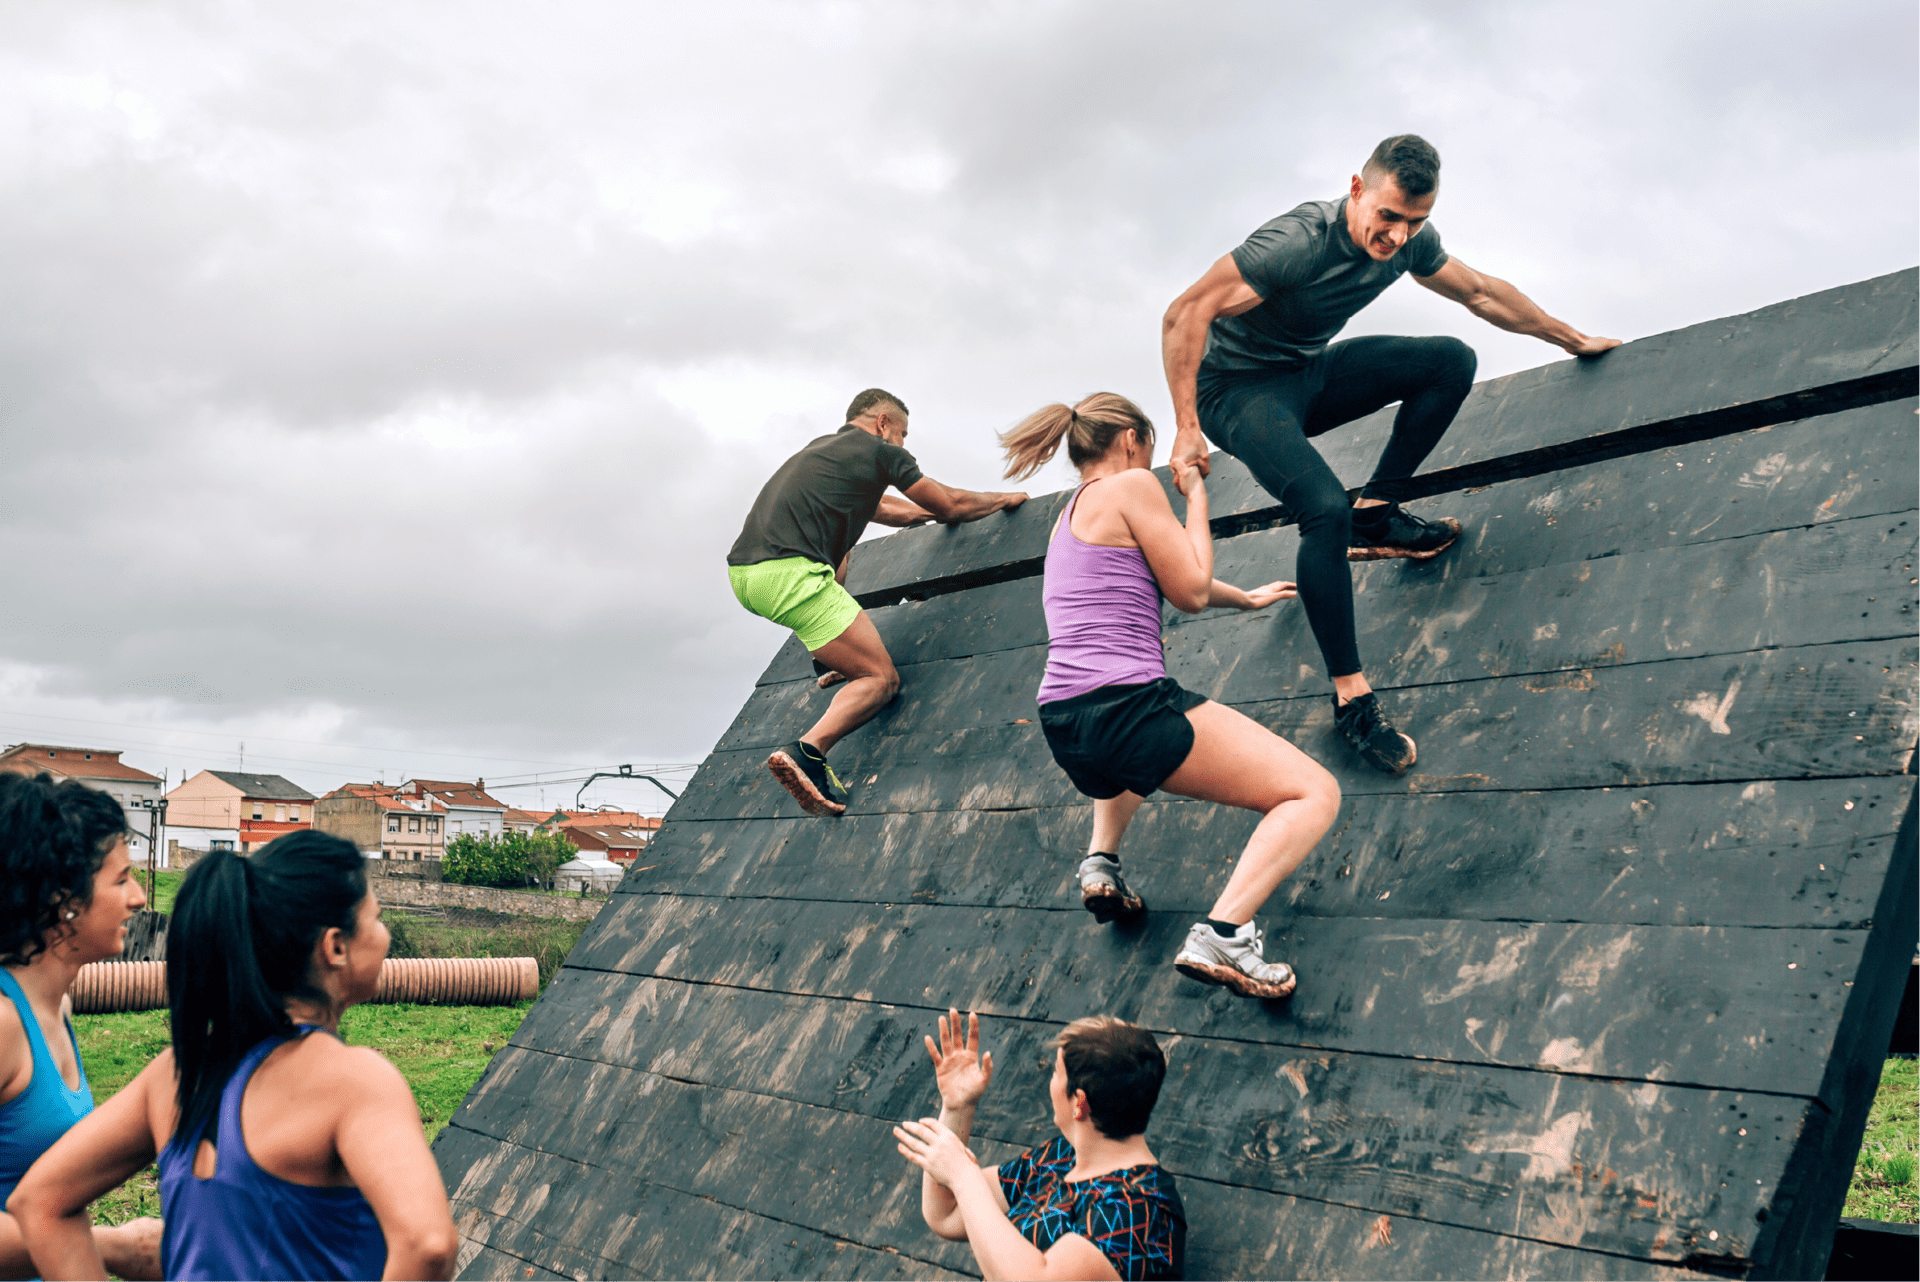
(264, 787)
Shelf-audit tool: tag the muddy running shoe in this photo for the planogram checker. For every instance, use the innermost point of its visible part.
(1393, 533)
(805, 773)
(1365, 725)
(1233, 963)
(1105, 893)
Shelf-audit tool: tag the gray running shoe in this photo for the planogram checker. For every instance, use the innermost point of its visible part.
(1233, 963)
(1105, 893)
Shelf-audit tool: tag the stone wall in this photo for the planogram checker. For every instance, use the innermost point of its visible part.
(520, 903)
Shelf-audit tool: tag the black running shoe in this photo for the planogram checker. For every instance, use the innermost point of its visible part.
(1366, 727)
(1394, 533)
(804, 772)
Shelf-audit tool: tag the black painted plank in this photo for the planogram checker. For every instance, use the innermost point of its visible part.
(1847, 581)
(1645, 1002)
(1817, 711)
(1833, 338)
(1764, 854)
(1553, 1158)
(545, 1211)
(1820, 470)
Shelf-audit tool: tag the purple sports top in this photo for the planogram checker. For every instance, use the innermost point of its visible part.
(1103, 615)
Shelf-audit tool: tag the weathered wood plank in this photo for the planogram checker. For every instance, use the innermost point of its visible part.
(1642, 1002)
(1551, 1158)
(1783, 855)
(1849, 581)
(1819, 711)
(1702, 381)
(1813, 472)
(538, 1209)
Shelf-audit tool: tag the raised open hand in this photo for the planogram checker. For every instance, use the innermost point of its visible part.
(959, 1069)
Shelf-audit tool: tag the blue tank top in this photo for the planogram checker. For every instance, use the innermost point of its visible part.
(32, 1120)
(245, 1223)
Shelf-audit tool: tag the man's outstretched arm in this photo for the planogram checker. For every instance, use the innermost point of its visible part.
(1183, 341)
(956, 507)
(900, 513)
(1495, 301)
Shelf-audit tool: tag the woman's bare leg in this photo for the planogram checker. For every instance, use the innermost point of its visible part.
(1239, 762)
(1110, 819)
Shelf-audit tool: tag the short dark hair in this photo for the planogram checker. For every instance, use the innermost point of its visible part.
(1119, 1066)
(54, 836)
(1412, 161)
(871, 397)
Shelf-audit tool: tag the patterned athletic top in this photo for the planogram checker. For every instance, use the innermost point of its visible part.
(1133, 1215)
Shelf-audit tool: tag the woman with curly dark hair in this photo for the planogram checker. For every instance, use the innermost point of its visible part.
(283, 1152)
(67, 891)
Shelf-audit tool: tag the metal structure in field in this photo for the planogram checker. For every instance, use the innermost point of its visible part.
(1601, 990)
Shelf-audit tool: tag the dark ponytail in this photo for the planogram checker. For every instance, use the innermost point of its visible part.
(53, 839)
(241, 943)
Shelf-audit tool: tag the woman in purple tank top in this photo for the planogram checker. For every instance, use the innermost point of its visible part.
(1117, 724)
(283, 1152)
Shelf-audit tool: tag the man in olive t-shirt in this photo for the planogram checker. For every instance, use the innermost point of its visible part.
(1251, 364)
(789, 565)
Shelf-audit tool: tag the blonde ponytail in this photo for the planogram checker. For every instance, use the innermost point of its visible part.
(1089, 429)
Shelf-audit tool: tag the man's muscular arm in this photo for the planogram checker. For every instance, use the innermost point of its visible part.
(1183, 341)
(900, 512)
(1495, 301)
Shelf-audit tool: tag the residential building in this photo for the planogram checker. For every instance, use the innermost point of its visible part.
(99, 768)
(610, 834)
(529, 821)
(383, 823)
(232, 805)
(469, 809)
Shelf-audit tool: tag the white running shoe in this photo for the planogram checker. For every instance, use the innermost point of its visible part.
(1233, 963)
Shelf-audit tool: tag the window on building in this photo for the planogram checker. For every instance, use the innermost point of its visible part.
(433, 825)
(393, 823)
(296, 814)
(455, 825)
(217, 844)
(279, 814)
(259, 811)
(413, 824)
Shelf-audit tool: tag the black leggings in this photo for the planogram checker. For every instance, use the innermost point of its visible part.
(1264, 418)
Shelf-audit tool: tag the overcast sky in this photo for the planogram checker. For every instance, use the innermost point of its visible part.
(382, 384)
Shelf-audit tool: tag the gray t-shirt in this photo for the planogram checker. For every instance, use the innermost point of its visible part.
(1312, 278)
(819, 502)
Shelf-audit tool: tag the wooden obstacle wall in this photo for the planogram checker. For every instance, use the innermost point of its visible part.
(1602, 989)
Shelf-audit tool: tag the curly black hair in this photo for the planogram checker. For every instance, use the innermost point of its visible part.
(53, 839)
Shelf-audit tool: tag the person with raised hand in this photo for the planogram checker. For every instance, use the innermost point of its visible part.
(1117, 724)
(1091, 1203)
(283, 1152)
(67, 892)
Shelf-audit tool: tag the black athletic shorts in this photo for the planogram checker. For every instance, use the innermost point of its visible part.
(1121, 738)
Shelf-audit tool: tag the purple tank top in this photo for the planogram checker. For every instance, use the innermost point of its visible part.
(246, 1223)
(1103, 615)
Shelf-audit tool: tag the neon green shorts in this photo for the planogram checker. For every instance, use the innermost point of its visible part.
(796, 592)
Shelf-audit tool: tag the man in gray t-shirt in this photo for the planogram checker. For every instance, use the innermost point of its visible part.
(1253, 367)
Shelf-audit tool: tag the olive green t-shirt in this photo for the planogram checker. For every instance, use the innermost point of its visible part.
(1311, 279)
(819, 502)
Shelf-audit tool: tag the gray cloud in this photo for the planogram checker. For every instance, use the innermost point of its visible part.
(397, 374)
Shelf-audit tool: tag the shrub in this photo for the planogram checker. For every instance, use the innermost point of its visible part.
(508, 860)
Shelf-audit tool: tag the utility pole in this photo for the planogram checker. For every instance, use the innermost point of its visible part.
(156, 827)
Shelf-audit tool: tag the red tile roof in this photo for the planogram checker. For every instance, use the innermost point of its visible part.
(71, 763)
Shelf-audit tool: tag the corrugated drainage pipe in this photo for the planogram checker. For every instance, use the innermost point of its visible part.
(443, 981)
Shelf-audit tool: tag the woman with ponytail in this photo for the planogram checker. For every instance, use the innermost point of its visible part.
(67, 891)
(283, 1152)
(1117, 724)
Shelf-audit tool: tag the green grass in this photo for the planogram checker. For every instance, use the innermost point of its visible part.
(1883, 1178)
(441, 1050)
(166, 884)
(474, 932)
